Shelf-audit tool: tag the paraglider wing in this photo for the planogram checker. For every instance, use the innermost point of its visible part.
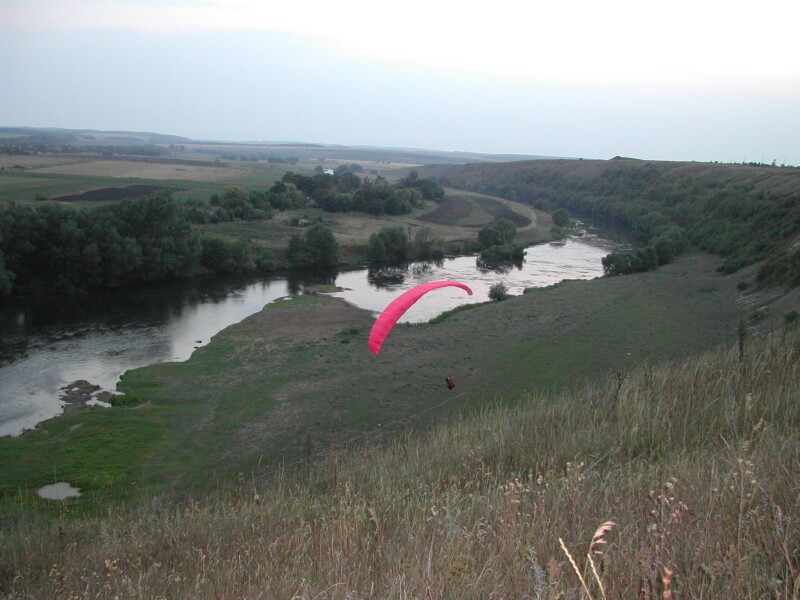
(387, 319)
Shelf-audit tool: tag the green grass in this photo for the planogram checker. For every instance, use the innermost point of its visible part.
(100, 451)
(25, 187)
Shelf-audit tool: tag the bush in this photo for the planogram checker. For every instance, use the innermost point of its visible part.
(510, 252)
(561, 217)
(318, 249)
(498, 292)
(390, 245)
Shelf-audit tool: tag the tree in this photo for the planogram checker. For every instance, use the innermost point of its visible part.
(425, 247)
(500, 233)
(390, 245)
(561, 217)
(318, 248)
(348, 182)
(6, 277)
(498, 292)
(429, 189)
(225, 256)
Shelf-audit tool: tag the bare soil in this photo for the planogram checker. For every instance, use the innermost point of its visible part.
(108, 194)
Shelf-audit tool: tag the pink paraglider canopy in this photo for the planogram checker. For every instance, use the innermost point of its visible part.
(384, 323)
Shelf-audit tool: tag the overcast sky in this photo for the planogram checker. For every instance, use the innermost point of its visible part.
(678, 80)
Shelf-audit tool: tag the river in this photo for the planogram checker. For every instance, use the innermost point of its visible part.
(48, 344)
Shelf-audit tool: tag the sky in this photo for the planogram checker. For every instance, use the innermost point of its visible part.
(697, 80)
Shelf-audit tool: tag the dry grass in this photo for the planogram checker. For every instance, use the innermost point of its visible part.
(696, 462)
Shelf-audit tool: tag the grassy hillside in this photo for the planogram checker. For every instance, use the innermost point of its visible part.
(746, 214)
(763, 179)
(677, 479)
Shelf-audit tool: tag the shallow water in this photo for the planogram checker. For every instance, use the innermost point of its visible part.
(545, 264)
(58, 491)
(47, 345)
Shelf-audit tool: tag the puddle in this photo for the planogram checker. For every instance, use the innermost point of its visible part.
(58, 491)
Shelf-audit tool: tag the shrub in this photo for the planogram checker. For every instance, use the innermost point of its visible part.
(561, 217)
(317, 249)
(390, 245)
(498, 292)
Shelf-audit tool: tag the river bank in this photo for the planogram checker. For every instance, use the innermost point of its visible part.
(98, 337)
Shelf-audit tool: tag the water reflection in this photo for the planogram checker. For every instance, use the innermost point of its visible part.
(100, 336)
(543, 265)
(298, 282)
(499, 266)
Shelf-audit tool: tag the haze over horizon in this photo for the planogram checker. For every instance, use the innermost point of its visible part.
(703, 80)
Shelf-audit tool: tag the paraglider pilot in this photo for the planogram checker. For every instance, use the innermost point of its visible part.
(448, 381)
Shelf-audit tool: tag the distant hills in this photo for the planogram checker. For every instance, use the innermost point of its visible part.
(36, 139)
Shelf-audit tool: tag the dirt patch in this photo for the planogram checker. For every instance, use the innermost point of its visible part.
(77, 395)
(108, 194)
(458, 205)
(449, 212)
(500, 210)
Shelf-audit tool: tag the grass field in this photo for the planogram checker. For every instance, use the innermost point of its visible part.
(298, 374)
(24, 177)
(672, 480)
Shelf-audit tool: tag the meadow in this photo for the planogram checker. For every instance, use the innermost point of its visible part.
(670, 479)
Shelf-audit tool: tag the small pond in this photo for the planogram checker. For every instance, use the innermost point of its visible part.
(58, 491)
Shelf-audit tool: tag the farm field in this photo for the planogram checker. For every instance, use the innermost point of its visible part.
(24, 178)
(27, 178)
(145, 170)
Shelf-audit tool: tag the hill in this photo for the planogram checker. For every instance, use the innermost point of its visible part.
(677, 479)
(297, 375)
(23, 140)
(748, 214)
(762, 178)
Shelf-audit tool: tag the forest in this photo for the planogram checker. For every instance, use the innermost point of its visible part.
(664, 214)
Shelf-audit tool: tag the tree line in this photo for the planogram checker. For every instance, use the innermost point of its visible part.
(52, 248)
(344, 191)
(663, 215)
